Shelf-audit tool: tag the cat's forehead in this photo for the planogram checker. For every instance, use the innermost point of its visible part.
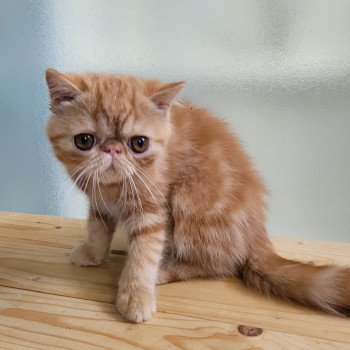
(121, 106)
(113, 96)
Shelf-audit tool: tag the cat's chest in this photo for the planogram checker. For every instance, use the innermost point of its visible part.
(115, 203)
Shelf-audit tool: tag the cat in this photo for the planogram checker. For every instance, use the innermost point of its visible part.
(182, 186)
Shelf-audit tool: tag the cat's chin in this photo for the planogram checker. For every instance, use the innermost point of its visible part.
(111, 176)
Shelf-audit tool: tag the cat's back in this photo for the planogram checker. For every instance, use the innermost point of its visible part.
(209, 136)
(200, 123)
(209, 161)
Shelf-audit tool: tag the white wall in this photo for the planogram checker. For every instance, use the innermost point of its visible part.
(278, 71)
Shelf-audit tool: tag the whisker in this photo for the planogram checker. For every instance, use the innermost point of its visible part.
(141, 172)
(95, 199)
(85, 112)
(87, 182)
(134, 192)
(71, 174)
(99, 189)
(88, 109)
(87, 167)
(138, 174)
(137, 194)
(79, 167)
(68, 192)
(150, 192)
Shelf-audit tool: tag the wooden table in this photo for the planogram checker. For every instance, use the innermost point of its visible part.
(47, 303)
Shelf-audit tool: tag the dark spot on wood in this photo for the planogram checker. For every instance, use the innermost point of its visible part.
(249, 331)
(58, 227)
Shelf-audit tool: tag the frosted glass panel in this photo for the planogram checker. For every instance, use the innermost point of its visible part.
(278, 71)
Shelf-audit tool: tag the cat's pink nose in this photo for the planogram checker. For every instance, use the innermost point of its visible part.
(112, 149)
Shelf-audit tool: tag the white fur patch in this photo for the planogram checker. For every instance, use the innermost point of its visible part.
(325, 288)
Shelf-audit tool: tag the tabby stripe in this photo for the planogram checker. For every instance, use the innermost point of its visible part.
(151, 252)
(148, 230)
(147, 262)
(144, 220)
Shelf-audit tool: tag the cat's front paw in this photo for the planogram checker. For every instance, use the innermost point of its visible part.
(81, 255)
(136, 305)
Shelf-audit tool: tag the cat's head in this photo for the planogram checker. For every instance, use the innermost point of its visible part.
(109, 126)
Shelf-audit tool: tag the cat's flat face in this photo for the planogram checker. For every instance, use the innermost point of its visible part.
(108, 127)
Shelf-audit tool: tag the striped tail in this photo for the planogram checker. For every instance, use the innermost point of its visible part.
(322, 287)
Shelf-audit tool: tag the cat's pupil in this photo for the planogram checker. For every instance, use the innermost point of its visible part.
(139, 144)
(84, 142)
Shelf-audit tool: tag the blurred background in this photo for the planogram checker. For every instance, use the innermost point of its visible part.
(278, 71)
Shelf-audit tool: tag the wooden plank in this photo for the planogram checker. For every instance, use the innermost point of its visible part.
(31, 320)
(66, 232)
(57, 231)
(34, 255)
(36, 259)
(320, 252)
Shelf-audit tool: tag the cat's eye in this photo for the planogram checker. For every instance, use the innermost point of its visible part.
(84, 142)
(139, 144)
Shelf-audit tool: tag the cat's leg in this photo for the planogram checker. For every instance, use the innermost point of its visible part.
(136, 299)
(98, 243)
(173, 271)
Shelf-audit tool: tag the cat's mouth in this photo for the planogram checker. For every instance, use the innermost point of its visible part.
(111, 174)
(111, 167)
(112, 171)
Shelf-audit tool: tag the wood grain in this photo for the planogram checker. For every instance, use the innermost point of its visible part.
(31, 320)
(34, 264)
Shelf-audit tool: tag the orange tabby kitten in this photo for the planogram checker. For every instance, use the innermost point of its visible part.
(182, 186)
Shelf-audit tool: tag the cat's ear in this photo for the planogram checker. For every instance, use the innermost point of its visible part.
(167, 95)
(62, 90)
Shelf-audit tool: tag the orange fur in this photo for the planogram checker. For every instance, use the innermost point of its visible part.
(193, 204)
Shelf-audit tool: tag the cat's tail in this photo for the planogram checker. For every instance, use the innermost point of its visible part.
(323, 287)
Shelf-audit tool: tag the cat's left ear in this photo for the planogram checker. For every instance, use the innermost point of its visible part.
(63, 91)
(167, 95)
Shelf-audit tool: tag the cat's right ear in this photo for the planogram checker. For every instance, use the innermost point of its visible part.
(62, 91)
